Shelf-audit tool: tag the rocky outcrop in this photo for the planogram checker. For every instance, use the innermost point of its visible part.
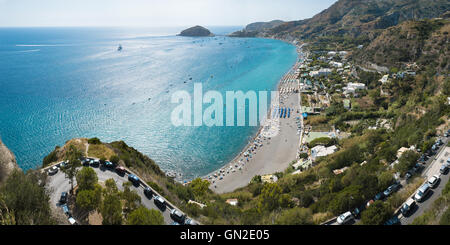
(7, 162)
(257, 28)
(196, 31)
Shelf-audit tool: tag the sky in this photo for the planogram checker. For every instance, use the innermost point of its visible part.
(163, 13)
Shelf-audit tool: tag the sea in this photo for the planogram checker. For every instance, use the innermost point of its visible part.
(62, 83)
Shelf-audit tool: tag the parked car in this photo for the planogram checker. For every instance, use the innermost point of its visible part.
(190, 222)
(345, 218)
(148, 192)
(422, 192)
(53, 170)
(85, 162)
(393, 221)
(391, 189)
(65, 209)
(72, 221)
(160, 202)
(95, 163)
(177, 216)
(133, 179)
(109, 164)
(408, 206)
(63, 198)
(378, 196)
(433, 181)
(443, 169)
(417, 167)
(408, 174)
(120, 170)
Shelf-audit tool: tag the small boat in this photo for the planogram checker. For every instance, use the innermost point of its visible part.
(119, 48)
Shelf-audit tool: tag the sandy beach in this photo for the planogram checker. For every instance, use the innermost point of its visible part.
(274, 147)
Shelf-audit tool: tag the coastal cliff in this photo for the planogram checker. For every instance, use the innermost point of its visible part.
(257, 29)
(196, 31)
(7, 162)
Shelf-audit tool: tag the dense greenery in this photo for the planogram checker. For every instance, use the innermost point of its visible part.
(24, 200)
(143, 216)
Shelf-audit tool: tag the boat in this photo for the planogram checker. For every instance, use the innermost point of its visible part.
(119, 48)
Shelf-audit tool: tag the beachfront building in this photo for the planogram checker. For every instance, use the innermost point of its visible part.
(321, 151)
(302, 164)
(324, 72)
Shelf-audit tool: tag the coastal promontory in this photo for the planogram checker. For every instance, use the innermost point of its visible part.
(7, 162)
(196, 31)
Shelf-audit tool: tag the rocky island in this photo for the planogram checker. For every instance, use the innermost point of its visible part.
(196, 31)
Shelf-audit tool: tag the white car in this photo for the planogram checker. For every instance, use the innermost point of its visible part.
(433, 180)
(72, 221)
(422, 192)
(344, 218)
(53, 170)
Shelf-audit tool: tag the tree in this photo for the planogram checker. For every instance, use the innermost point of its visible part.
(89, 200)
(295, 216)
(111, 208)
(377, 214)
(199, 187)
(73, 156)
(115, 159)
(143, 216)
(87, 179)
(406, 161)
(25, 201)
(270, 197)
(111, 187)
(132, 199)
(385, 179)
(94, 141)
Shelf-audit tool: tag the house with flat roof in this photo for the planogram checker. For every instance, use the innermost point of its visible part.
(321, 151)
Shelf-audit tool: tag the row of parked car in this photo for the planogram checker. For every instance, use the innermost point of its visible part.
(409, 205)
(349, 216)
(177, 216)
(420, 195)
(63, 204)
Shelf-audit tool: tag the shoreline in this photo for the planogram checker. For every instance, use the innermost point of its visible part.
(227, 178)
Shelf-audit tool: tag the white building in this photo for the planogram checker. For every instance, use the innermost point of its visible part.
(322, 72)
(332, 53)
(336, 64)
(321, 151)
(353, 87)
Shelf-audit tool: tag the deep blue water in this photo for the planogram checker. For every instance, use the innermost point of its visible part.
(63, 83)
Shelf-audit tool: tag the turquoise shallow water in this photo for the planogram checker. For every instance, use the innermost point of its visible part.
(62, 83)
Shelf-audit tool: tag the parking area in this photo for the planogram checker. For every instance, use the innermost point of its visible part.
(57, 183)
(435, 192)
(432, 166)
